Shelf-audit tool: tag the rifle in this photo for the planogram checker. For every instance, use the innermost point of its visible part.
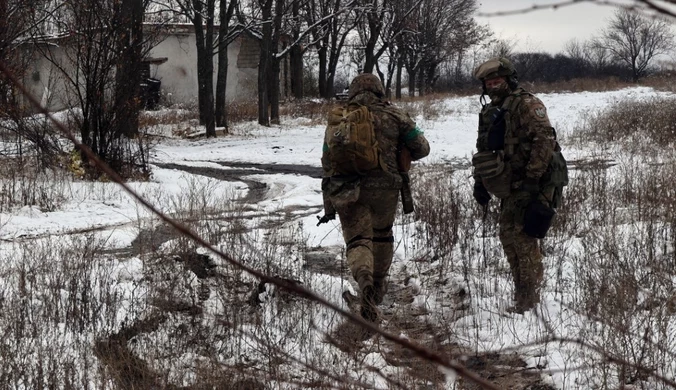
(404, 164)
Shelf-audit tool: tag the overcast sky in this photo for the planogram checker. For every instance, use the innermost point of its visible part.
(548, 29)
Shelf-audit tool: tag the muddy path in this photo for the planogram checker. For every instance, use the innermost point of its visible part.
(258, 191)
(398, 314)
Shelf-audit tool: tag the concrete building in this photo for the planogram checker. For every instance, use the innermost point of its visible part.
(172, 60)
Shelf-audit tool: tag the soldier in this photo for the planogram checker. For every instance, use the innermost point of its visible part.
(515, 146)
(366, 203)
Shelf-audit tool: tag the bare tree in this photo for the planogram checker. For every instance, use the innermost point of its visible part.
(443, 30)
(210, 40)
(575, 49)
(93, 49)
(201, 14)
(273, 23)
(502, 47)
(129, 17)
(384, 23)
(335, 21)
(17, 23)
(225, 37)
(635, 40)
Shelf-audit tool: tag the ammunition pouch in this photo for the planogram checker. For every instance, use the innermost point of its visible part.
(537, 219)
(495, 174)
(556, 176)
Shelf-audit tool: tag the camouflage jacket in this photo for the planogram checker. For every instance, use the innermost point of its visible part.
(393, 128)
(529, 137)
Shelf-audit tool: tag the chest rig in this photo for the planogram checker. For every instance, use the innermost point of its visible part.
(496, 145)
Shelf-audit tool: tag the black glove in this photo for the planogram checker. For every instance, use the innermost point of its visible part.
(481, 193)
(326, 218)
(531, 186)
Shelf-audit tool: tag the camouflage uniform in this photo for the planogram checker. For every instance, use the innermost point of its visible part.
(529, 145)
(366, 205)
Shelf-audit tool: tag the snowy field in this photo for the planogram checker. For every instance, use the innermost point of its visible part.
(242, 194)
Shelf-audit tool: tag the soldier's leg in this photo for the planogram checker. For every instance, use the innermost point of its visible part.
(530, 269)
(384, 207)
(507, 236)
(530, 258)
(525, 253)
(358, 235)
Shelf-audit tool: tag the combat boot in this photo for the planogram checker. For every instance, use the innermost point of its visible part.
(364, 279)
(524, 301)
(369, 312)
(380, 287)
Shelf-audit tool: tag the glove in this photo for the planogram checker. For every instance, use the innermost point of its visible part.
(326, 218)
(481, 193)
(532, 186)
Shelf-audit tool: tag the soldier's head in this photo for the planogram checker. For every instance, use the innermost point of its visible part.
(366, 82)
(498, 76)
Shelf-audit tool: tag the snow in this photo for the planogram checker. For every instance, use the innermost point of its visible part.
(115, 216)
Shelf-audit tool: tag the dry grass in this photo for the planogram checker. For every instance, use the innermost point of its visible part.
(166, 117)
(196, 322)
(638, 124)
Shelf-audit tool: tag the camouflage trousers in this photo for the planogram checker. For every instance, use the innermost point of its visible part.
(523, 252)
(367, 230)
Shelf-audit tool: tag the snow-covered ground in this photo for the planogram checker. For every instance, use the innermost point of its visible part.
(105, 208)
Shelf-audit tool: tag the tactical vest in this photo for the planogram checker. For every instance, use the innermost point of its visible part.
(497, 144)
(495, 147)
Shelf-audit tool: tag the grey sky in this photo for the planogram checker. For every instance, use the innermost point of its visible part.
(548, 29)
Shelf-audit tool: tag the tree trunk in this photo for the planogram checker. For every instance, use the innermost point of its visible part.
(273, 90)
(128, 68)
(275, 62)
(222, 77)
(322, 52)
(391, 66)
(411, 81)
(264, 65)
(400, 65)
(221, 87)
(369, 59)
(296, 58)
(330, 89)
(205, 64)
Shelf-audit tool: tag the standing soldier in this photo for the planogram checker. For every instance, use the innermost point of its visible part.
(364, 145)
(519, 161)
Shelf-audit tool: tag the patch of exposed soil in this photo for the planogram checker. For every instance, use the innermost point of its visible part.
(257, 190)
(290, 169)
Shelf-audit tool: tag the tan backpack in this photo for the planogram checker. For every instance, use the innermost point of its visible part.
(351, 140)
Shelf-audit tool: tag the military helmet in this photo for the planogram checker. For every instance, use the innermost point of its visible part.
(495, 67)
(366, 82)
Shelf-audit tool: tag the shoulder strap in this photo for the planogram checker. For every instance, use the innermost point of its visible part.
(511, 102)
(510, 105)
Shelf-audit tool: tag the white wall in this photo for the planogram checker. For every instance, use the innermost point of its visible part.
(179, 73)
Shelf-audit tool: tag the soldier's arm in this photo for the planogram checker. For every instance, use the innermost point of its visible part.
(413, 137)
(541, 134)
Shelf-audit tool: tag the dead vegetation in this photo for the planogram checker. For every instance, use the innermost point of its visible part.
(171, 316)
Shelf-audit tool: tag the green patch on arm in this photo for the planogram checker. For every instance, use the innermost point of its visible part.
(413, 133)
(325, 148)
